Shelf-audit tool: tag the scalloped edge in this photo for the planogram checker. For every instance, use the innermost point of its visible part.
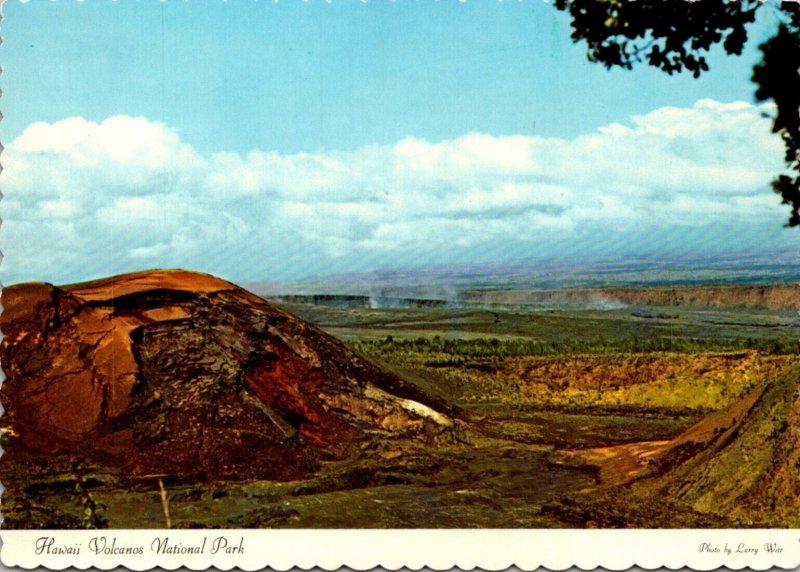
(432, 549)
(487, 549)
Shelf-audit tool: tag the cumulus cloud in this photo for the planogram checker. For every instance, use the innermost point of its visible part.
(86, 198)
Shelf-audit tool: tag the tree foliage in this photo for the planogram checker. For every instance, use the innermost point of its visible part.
(676, 36)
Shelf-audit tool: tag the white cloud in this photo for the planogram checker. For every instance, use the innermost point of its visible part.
(86, 198)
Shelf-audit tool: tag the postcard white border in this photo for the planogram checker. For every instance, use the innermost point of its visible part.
(488, 549)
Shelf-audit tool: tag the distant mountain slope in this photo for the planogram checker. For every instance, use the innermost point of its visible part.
(444, 282)
(175, 372)
(785, 297)
(774, 296)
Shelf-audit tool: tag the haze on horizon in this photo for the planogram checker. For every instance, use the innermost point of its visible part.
(340, 138)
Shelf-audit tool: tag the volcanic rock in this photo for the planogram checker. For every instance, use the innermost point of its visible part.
(181, 373)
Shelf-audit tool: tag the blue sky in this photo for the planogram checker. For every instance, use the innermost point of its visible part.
(263, 140)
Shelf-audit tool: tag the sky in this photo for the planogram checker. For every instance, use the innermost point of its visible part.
(262, 140)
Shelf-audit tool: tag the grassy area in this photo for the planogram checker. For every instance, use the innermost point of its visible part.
(681, 374)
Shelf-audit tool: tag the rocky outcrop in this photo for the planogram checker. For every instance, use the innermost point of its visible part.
(773, 297)
(180, 373)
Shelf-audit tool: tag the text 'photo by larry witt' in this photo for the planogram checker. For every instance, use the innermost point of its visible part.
(462, 333)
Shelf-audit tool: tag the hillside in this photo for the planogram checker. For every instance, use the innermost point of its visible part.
(180, 373)
(741, 462)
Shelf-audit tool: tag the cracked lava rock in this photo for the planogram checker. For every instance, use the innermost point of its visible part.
(181, 373)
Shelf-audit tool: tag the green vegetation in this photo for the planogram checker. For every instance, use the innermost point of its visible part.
(92, 514)
(638, 374)
(502, 348)
(676, 36)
